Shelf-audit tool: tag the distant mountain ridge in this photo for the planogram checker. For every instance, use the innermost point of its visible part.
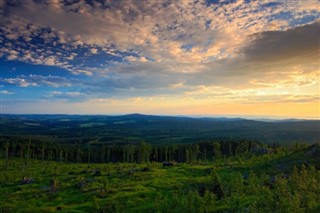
(141, 116)
(157, 129)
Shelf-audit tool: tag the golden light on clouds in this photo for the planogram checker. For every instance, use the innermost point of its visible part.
(250, 58)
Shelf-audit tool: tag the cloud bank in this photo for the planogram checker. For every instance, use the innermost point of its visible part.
(207, 51)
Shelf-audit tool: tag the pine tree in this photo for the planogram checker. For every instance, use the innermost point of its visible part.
(216, 150)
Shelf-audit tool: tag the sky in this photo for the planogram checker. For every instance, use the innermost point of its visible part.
(206, 58)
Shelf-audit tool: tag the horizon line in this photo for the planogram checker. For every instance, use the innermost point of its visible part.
(249, 117)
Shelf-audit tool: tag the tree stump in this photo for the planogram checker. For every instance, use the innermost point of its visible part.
(53, 185)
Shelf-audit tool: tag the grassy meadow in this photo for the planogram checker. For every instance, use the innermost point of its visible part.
(278, 182)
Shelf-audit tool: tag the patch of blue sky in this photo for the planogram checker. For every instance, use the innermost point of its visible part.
(182, 36)
(283, 16)
(305, 19)
(151, 59)
(15, 68)
(85, 58)
(208, 24)
(271, 4)
(100, 59)
(44, 38)
(219, 2)
(24, 92)
(187, 47)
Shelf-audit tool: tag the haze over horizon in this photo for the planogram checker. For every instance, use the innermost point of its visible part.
(218, 58)
(250, 117)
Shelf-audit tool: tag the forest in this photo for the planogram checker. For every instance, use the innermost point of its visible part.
(52, 172)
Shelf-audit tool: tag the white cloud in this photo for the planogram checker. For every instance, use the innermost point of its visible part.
(80, 71)
(20, 82)
(39, 80)
(6, 92)
(67, 96)
(94, 51)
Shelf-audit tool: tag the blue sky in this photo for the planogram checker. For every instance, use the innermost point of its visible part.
(214, 57)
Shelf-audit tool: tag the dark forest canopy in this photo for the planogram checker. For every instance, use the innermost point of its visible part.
(143, 138)
(134, 128)
(141, 152)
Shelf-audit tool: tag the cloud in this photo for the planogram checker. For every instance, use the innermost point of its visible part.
(39, 80)
(172, 31)
(6, 92)
(132, 59)
(20, 82)
(80, 71)
(300, 43)
(94, 51)
(222, 50)
(64, 95)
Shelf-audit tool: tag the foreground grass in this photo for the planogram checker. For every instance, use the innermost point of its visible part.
(79, 188)
(150, 187)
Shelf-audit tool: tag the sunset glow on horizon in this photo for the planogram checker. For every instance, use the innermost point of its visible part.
(205, 58)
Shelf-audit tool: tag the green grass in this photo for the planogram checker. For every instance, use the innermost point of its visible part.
(115, 184)
(159, 189)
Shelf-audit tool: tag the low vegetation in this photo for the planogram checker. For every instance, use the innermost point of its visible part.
(285, 180)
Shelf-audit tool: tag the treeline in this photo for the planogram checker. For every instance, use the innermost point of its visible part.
(94, 152)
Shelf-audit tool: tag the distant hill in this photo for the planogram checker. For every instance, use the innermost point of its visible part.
(159, 129)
